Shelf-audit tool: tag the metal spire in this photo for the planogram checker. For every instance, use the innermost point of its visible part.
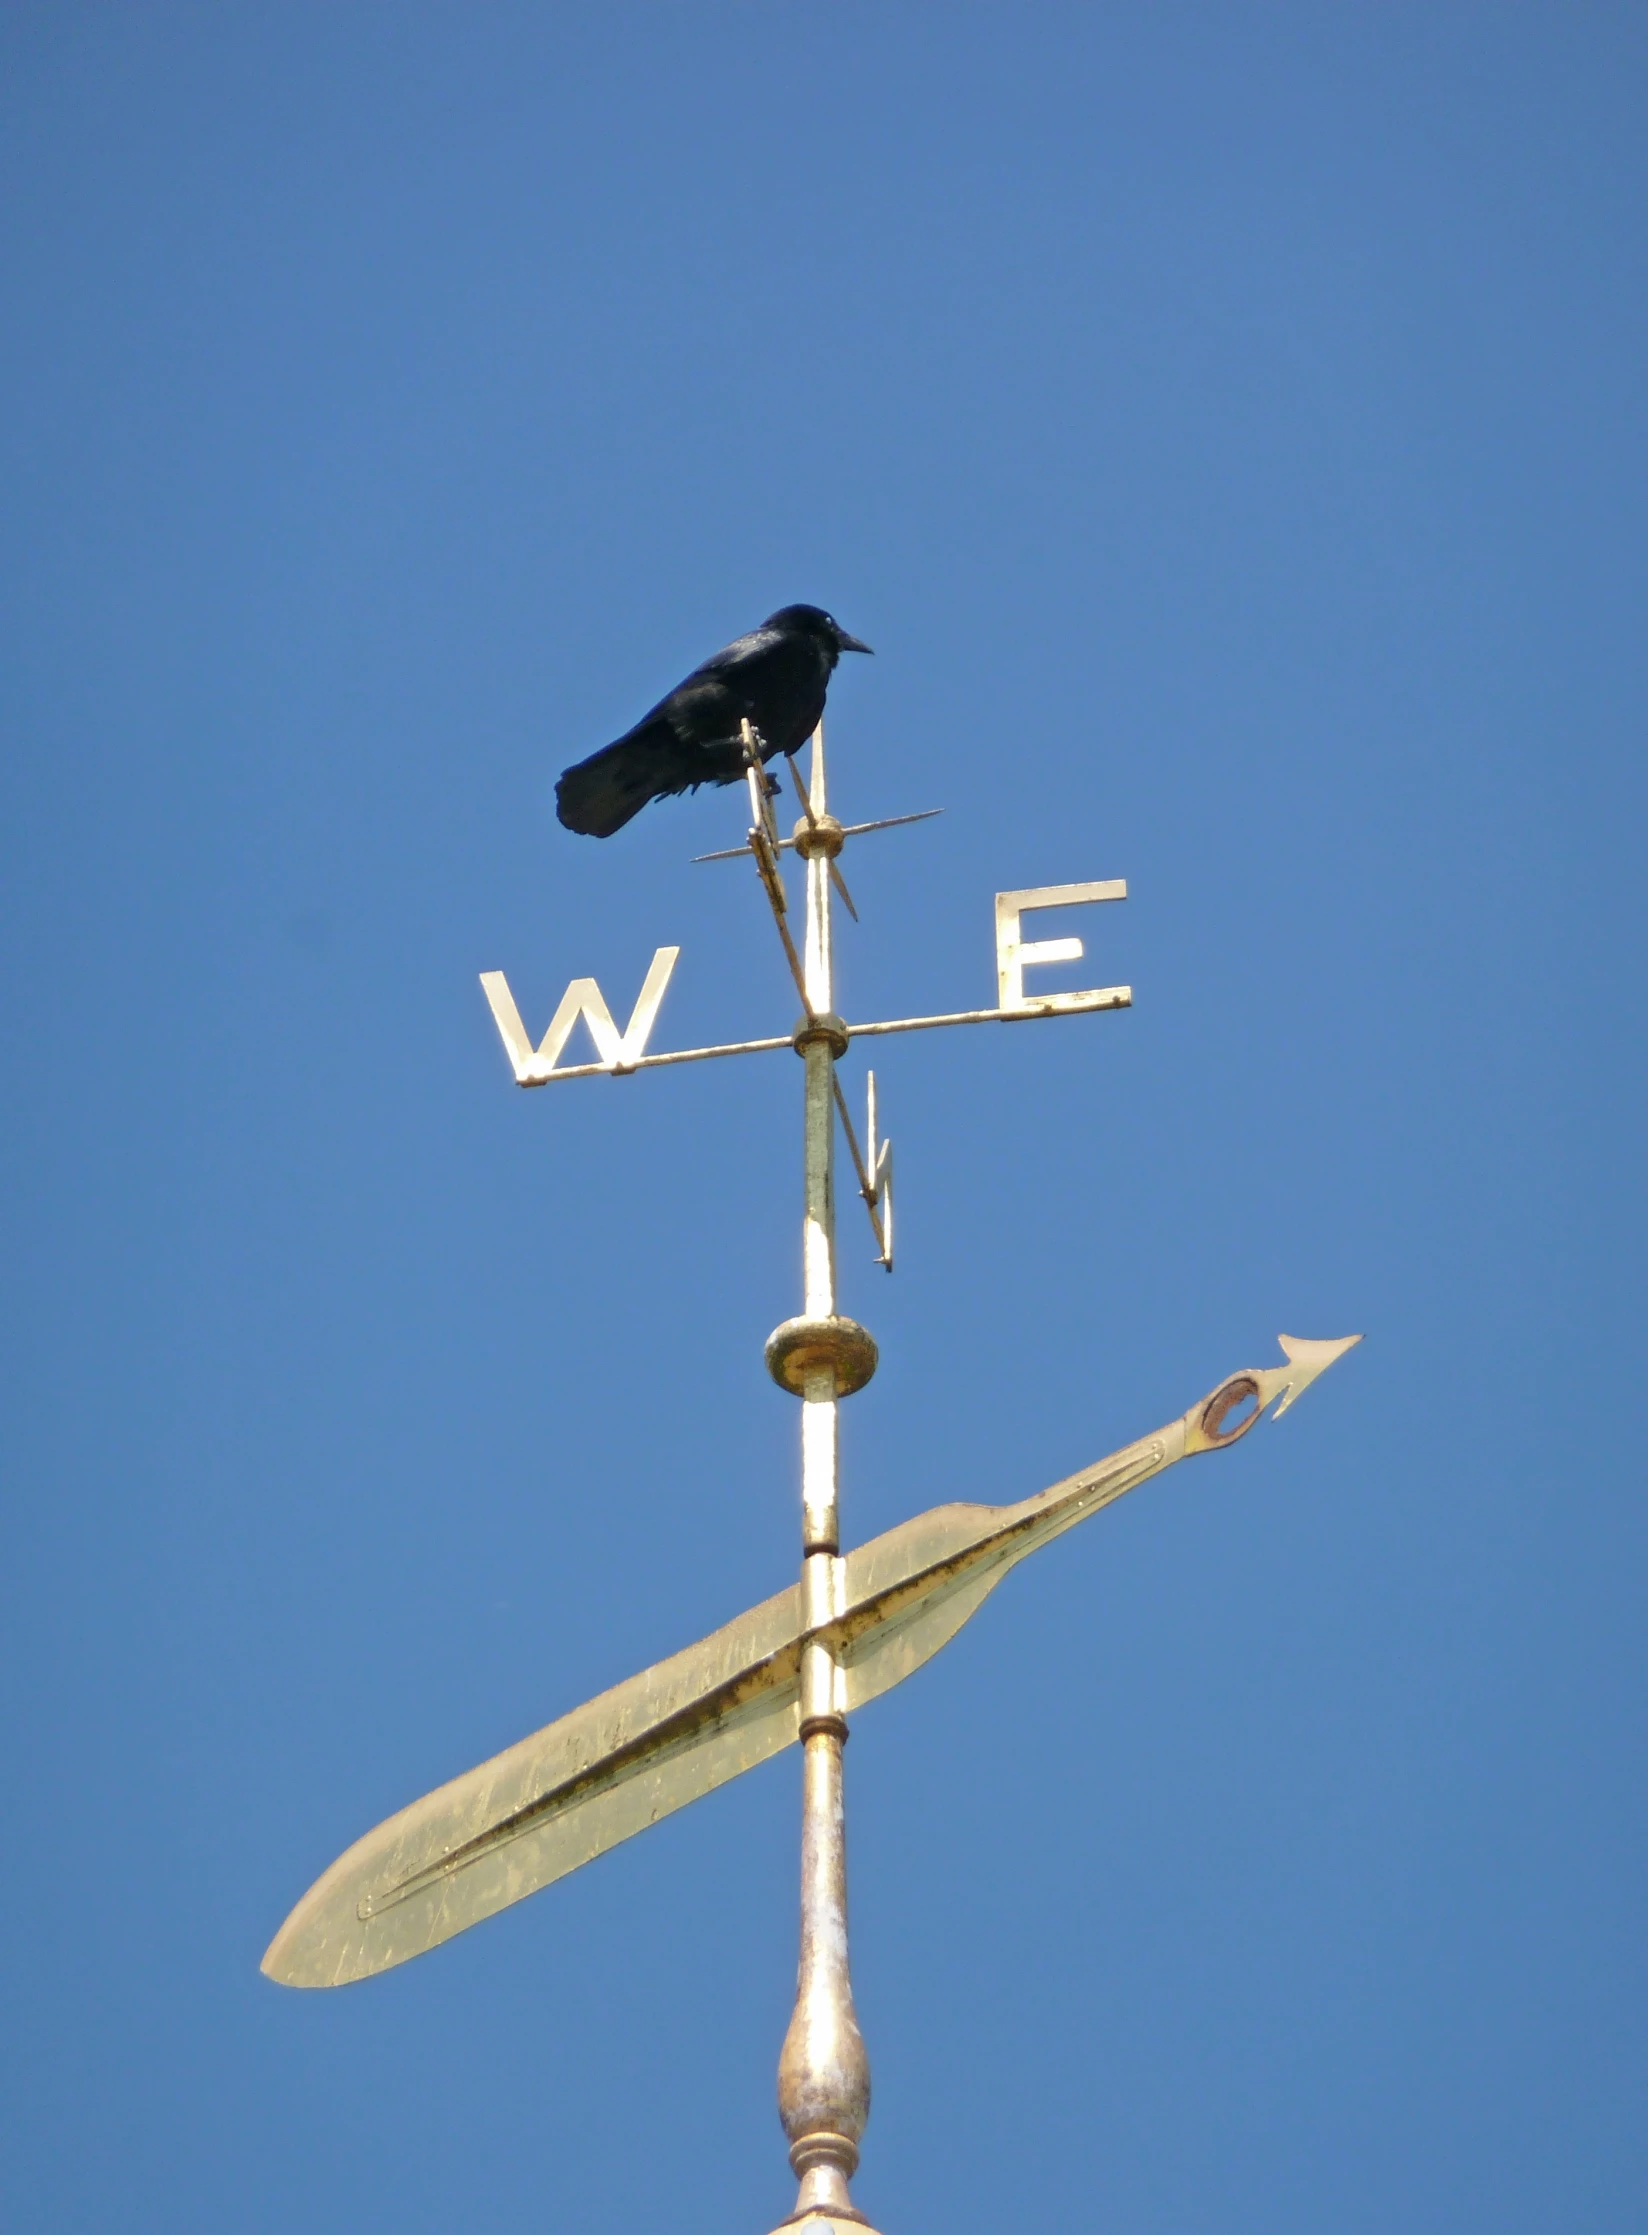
(823, 2070)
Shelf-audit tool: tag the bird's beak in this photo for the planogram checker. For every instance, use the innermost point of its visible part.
(846, 643)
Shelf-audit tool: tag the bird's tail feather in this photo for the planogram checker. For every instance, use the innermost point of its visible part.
(601, 794)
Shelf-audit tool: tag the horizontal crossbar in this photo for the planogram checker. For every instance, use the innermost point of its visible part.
(1055, 1005)
(848, 830)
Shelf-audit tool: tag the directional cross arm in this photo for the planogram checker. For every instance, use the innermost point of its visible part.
(620, 1053)
(531, 1071)
(679, 1729)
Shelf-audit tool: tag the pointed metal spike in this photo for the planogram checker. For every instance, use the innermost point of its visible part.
(848, 830)
(800, 793)
(840, 884)
(1306, 1359)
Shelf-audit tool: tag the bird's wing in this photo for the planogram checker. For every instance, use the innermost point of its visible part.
(706, 709)
(739, 653)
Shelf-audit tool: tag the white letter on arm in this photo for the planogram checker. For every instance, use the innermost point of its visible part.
(583, 998)
(1013, 952)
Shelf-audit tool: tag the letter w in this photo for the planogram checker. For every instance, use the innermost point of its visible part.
(583, 998)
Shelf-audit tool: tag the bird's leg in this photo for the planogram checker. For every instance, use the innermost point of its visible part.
(764, 840)
(755, 756)
(763, 788)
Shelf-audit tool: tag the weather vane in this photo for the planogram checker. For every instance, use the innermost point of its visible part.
(791, 1670)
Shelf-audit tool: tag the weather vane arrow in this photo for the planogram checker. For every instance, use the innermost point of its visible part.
(791, 1670)
(678, 1730)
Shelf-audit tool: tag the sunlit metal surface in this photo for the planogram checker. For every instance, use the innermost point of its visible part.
(823, 2067)
(818, 838)
(875, 1173)
(1047, 1005)
(543, 1807)
(618, 1051)
(848, 830)
(657, 1062)
(1014, 952)
(1053, 1005)
(650, 1745)
(852, 1627)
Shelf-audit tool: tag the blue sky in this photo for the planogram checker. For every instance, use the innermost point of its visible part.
(1227, 425)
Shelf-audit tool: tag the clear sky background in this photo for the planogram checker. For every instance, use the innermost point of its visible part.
(1227, 424)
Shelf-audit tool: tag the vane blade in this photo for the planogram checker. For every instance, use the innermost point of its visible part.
(676, 1731)
(556, 1800)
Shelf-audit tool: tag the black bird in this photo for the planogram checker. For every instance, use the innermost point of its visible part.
(775, 678)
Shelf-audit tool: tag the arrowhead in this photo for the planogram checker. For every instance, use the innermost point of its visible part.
(1306, 1359)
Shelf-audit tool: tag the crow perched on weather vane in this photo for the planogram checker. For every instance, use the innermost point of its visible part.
(775, 679)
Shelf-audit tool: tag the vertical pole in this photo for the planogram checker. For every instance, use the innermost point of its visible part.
(823, 2072)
